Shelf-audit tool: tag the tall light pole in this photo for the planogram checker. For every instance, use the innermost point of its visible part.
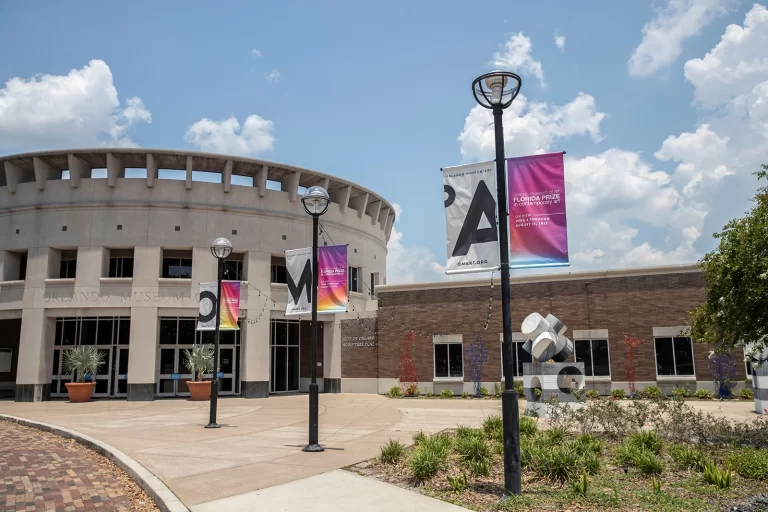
(496, 91)
(315, 202)
(220, 248)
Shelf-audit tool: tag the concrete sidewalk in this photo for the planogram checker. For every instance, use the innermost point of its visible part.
(330, 492)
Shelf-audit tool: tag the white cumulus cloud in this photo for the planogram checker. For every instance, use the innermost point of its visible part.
(256, 53)
(672, 24)
(256, 135)
(560, 42)
(80, 108)
(274, 76)
(516, 56)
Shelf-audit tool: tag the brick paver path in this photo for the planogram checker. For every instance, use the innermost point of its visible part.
(44, 472)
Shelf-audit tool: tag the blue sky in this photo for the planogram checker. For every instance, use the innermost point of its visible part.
(380, 94)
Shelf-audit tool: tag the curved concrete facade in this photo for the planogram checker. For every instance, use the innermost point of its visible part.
(149, 205)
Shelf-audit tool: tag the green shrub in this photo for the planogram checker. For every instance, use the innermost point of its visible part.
(430, 394)
(464, 431)
(440, 442)
(715, 476)
(520, 389)
(588, 443)
(446, 393)
(650, 393)
(526, 447)
(681, 392)
(395, 392)
(648, 463)
(750, 463)
(457, 483)
(419, 437)
(493, 427)
(480, 467)
(578, 394)
(593, 394)
(537, 393)
(580, 485)
(618, 394)
(473, 448)
(626, 454)
(590, 462)
(687, 457)
(426, 461)
(497, 389)
(412, 390)
(484, 392)
(558, 463)
(464, 394)
(528, 426)
(647, 440)
(746, 394)
(392, 452)
(704, 394)
(555, 435)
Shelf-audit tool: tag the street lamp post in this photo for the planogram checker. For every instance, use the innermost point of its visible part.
(315, 203)
(220, 248)
(496, 91)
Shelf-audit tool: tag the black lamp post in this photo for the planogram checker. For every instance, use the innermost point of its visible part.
(315, 202)
(221, 248)
(496, 91)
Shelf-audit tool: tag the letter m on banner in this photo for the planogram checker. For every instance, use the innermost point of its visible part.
(298, 263)
(470, 214)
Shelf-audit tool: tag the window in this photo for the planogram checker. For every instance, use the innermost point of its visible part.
(374, 283)
(674, 356)
(449, 361)
(177, 264)
(749, 368)
(519, 356)
(68, 265)
(594, 355)
(233, 267)
(354, 283)
(120, 263)
(279, 273)
(6, 358)
(15, 266)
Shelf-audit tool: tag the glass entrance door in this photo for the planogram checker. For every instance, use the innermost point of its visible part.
(284, 349)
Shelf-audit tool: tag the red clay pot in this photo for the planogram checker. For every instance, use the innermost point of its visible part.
(199, 390)
(80, 392)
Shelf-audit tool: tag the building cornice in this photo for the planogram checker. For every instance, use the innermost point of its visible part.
(544, 278)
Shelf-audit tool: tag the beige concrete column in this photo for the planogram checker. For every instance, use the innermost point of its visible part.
(90, 262)
(255, 353)
(204, 266)
(33, 376)
(332, 355)
(146, 267)
(142, 356)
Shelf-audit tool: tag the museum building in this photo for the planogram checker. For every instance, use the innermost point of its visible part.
(108, 247)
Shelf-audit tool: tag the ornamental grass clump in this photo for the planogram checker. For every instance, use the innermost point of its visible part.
(715, 476)
(632, 454)
(528, 426)
(395, 392)
(392, 452)
(446, 393)
(430, 456)
(647, 440)
(687, 457)
(493, 427)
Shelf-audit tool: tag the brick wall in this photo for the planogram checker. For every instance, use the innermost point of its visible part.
(359, 348)
(632, 305)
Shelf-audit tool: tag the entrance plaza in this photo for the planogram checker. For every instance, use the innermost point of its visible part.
(259, 445)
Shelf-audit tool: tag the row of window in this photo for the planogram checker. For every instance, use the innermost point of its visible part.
(674, 357)
(175, 265)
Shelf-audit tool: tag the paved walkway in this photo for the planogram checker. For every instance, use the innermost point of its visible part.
(259, 445)
(44, 472)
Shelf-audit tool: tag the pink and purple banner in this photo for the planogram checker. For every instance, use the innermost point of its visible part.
(332, 291)
(538, 230)
(230, 305)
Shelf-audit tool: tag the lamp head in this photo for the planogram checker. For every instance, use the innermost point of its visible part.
(221, 248)
(496, 89)
(316, 201)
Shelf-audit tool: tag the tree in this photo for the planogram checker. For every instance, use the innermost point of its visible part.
(736, 274)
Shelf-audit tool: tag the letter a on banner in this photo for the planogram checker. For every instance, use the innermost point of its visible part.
(298, 263)
(230, 306)
(470, 214)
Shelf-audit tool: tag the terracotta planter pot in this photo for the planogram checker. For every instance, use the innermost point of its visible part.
(199, 390)
(80, 391)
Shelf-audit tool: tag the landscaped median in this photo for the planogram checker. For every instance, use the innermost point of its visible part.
(659, 455)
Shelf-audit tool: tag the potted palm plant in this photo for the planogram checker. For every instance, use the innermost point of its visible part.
(83, 362)
(199, 362)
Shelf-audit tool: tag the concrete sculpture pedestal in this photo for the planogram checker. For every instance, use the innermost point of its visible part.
(553, 380)
(760, 388)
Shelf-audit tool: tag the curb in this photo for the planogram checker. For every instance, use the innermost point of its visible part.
(164, 498)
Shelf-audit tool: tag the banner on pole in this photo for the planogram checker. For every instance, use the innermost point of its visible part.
(470, 214)
(332, 289)
(538, 230)
(298, 263)
(230, 306)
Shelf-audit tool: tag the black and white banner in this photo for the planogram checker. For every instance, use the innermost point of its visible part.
(470, 213)
(298, 262)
